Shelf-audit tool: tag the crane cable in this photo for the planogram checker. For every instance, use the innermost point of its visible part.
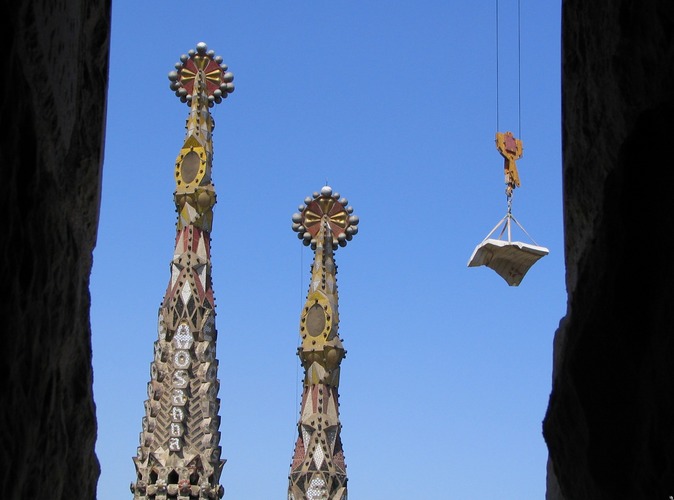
(519, 66)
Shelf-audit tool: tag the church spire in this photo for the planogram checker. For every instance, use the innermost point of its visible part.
(318, 471)
(179, 452)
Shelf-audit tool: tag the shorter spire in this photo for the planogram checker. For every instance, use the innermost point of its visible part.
(318, 471)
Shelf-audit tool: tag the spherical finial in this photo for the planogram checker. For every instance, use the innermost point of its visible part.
(217, 81)
(325, 210)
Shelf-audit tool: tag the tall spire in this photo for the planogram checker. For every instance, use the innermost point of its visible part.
(179, 452)
(318, 471)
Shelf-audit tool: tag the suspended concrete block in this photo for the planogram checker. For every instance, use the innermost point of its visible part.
(510, 259)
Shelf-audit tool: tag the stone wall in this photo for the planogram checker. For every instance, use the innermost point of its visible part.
(52, 121)
(610, 421)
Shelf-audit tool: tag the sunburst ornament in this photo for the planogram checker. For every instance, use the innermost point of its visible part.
(325, 207)
(219, 81)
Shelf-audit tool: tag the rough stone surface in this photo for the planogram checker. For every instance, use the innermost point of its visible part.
(52, 117)
(610, 420)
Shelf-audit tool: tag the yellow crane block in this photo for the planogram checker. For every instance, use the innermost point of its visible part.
(511, 150)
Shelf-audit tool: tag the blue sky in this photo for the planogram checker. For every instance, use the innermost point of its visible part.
(394, 105)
